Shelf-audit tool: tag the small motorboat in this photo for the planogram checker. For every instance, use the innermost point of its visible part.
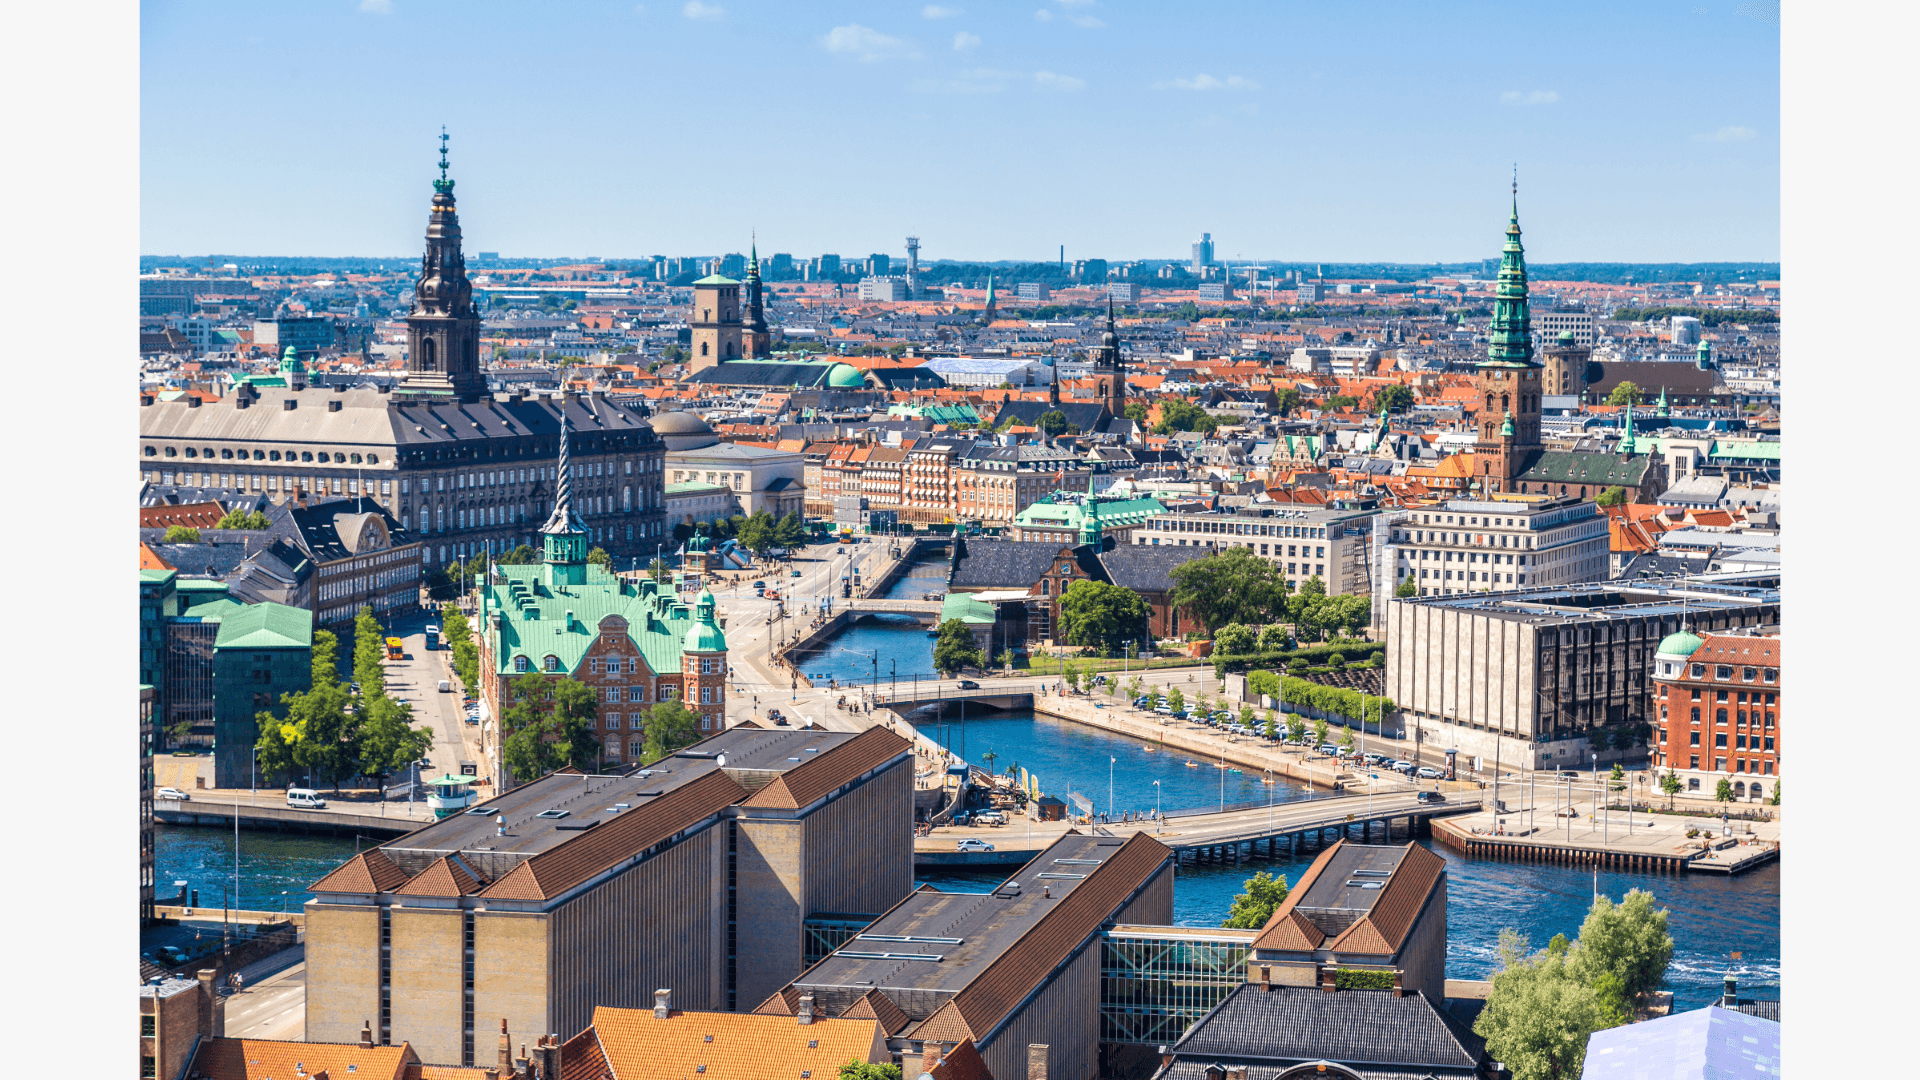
(1193, 764)
(1222, 765)
(1266, 779)
(1148, 749)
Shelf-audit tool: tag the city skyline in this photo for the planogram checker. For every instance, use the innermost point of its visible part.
(844, 129)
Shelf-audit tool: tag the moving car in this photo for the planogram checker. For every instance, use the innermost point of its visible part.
(968, 684)
(970, 844)
(172, 793)
(774, 715)
(1429, 796)
(305, 799)
(1427, 772)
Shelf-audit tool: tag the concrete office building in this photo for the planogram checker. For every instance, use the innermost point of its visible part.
(1498, 545)
(1008, 971)
(884, 289)
(1202, 252)
(572, 892)
(1524, 678)
(1547, 326)
(1329, 544)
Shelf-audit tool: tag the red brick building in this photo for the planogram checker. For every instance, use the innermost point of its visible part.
(1718, 708)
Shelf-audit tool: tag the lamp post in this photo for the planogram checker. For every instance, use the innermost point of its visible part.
(1157, 817)
(1110, 763)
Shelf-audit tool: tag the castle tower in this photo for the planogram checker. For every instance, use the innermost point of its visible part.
(754, 339)
(715, 320)
(443, 328)
(703, 657)
(1108, 370)
(1566, 367)
(1508, 380)
(565, 540)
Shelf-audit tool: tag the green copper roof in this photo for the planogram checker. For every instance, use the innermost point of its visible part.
(1506, 426)
(1510, 338)
(704, 636)
(1681, 644)
(968, 610)
(266, 626)
(533, 618)
(846, 375)
(1069, 515)
(716, 279)
(290, 361)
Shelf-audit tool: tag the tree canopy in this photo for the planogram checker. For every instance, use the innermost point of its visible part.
(1054, 422)
(1177, 414)
(1252, 908)
(955, 648)
(670, 726)
(180, 534)
(1234, 586)
(1625, 392)
(1395, 398)
(1235, 638)
(237, 518)
(1096, 613)
(1613, 496)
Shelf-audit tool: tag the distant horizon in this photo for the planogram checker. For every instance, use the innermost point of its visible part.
(190, 261)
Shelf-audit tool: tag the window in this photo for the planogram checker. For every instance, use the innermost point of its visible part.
(146, 1028)
(551, 663)
(1720, 741)
(1722, 671)
(1695, 740)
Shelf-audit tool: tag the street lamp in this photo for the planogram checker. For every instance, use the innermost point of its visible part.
(1110, 762)
(1157, 817)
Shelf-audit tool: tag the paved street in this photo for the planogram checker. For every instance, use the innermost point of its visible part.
(275, 1007)
(416, 680)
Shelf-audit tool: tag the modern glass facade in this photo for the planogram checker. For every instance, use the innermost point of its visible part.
(1154, 987)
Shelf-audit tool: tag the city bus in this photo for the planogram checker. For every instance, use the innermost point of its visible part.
(433, 637)
(394, 649)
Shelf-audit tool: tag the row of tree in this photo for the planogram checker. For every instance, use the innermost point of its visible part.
(333, 731)
(1236, 586)
(553, 723)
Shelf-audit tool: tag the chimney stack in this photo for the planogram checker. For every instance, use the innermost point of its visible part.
(546, 1057)
(506, 1049)
(806, 1009)
(366, 1034)
(1037, 1061)
(660, 1000)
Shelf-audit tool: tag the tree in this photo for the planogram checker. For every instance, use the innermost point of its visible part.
(1538, 1014)
(670, 727)
(1670, 784)
(1246, 716)
(1177, 414)
(1774, 799)
(1628, 940)
(1319, 731)
(1723, 791)
(523, 725)
(1070, 674)
(1252, 908)
(955, 648)
(1407, 588)
(1273, 637)
(319, 717)
(791, 532)
(1296, 725)
(1263, 683)
(572, 721)
(1234, 586)
(1395, 398)
(599, 557)
(369, 654)
(237, 518)
(1625, 393)
(180, 534)
(385, 741)
(1136, 411)
(1613, 496)
(326, 658)
(659, 570)
(1272, 726)
(856, 1069)
(1234, 639)
(1336, 402)
(1053, 422)
(1176, 700)
(1289, 401)
(1096, 613)
(523, 555)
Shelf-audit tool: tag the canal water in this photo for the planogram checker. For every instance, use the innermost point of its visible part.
(1709, 915)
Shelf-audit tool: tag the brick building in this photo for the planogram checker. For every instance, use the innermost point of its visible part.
(1718, 696)
(633, 642)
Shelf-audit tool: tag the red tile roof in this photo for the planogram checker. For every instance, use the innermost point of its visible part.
(367, 872)
(744, 1046)
(193, 515)
(273, 1059)
(445, 878)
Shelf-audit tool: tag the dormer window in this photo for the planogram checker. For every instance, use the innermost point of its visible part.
(551, 663)
(521, 664)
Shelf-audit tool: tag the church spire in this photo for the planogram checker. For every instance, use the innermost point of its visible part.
(755, 341)
(443, 327)
(566, 541)
(1510, 338)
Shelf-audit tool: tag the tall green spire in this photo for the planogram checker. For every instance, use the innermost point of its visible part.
(1510, 340)
(1090, 531)
(1663, 401)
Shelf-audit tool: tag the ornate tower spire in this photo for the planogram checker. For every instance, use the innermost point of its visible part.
(986, 317)
(754, 339)
(566, 540)
(443, 328)
(1107, 364)
(1508, 380)
(1510, 339)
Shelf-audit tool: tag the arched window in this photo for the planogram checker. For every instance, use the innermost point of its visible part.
(521, 663)
(703, 348)
(551, 663)
(426, 354)
(149, 451)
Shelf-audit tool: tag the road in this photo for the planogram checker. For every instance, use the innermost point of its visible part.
(416, 680)
(275, 1008)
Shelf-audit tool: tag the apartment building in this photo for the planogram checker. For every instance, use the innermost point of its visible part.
(1498, 545)
(1330, 544)
(1720, 711)
(929, 492)
(994, 484)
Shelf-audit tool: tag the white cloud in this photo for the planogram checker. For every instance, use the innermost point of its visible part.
(703, 12)
(1086, 22)
(1207, 82)
(377, 7)
(1043, 15)
(935, 11)
(965, 42)
(1726, 134)
(1052, 81)
(1531, 97)
(865, 43)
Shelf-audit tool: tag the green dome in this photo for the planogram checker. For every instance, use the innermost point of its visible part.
(704, 638)
(1682, 644)
(1566, 337)
(846, 375)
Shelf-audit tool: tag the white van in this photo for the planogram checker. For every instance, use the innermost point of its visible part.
(305, 799)
(446, 686)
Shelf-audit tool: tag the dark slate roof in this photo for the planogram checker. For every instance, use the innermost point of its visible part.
(320, 523)
(1651, 376)
(737, 373)
(1145, 568)
(908, 378)
(1087, 416)
(1657, 566)
(1001, 564)
(1574, 467)
(1412, 1035)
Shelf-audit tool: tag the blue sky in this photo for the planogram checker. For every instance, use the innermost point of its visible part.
(1643, 131)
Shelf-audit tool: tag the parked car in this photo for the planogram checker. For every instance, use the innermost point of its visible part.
(989, 817)
(1143, 702)
(1427, 772)
(1163, 709)
(775, 716)
(967, 684)
(1402, 766)
(970, 844)
(172, 793)
(1328, 748)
